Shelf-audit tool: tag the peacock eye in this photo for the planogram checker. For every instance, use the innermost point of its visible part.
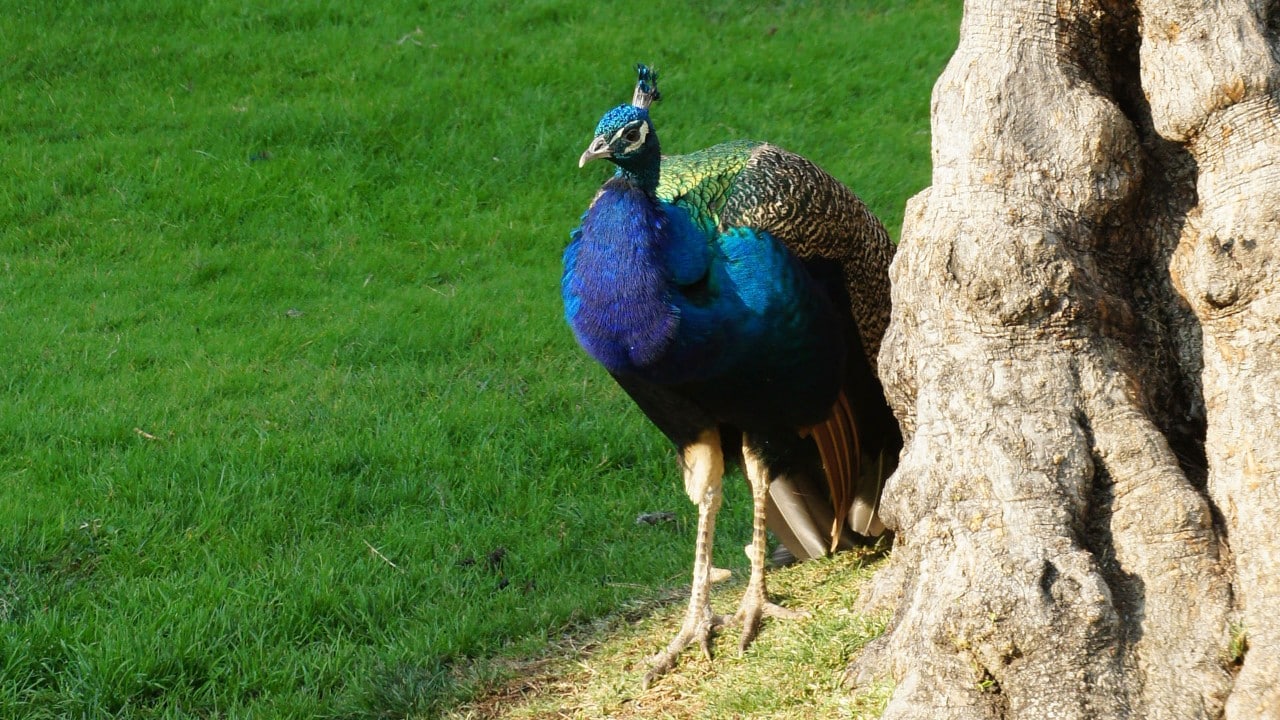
(631, 134)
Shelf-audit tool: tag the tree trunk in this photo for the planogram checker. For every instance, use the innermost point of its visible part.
(1085, 357)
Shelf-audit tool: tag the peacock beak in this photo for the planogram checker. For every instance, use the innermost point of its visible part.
(599, 148)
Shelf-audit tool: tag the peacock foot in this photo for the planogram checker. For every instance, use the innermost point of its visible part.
(699, 624)
(754, 606)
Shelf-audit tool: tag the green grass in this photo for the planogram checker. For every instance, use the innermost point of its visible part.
(283, 359)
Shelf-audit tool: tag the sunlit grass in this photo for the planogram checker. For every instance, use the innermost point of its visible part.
(284, 366)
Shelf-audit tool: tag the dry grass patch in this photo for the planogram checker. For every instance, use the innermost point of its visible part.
(794, 669)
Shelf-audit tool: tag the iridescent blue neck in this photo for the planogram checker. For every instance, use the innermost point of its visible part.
(643, 168)
(616, 288)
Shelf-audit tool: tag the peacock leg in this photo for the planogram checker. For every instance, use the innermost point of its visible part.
(703, 464)
(755, 601)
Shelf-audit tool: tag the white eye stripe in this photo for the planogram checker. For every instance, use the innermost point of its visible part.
(642, 128)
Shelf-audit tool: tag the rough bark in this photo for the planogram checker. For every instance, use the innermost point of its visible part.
(1084, 354)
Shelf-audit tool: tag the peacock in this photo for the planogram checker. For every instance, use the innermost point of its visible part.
(738, 295)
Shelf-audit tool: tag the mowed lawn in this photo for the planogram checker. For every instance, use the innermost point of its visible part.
(290, 424)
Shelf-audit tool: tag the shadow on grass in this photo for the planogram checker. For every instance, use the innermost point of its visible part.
(408, 689)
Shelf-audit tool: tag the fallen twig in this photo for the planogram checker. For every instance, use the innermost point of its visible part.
(385, 559)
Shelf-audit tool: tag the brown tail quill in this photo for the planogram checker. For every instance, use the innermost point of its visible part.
(838, 445)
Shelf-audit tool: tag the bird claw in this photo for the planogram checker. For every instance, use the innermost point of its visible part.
(753, 608)
(702, 626)
(698, 625)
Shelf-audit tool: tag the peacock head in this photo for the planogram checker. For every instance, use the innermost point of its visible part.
(625, 135)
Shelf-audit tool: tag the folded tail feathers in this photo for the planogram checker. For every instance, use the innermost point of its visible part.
(841, 453)
(814, 516)
(864, 517)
